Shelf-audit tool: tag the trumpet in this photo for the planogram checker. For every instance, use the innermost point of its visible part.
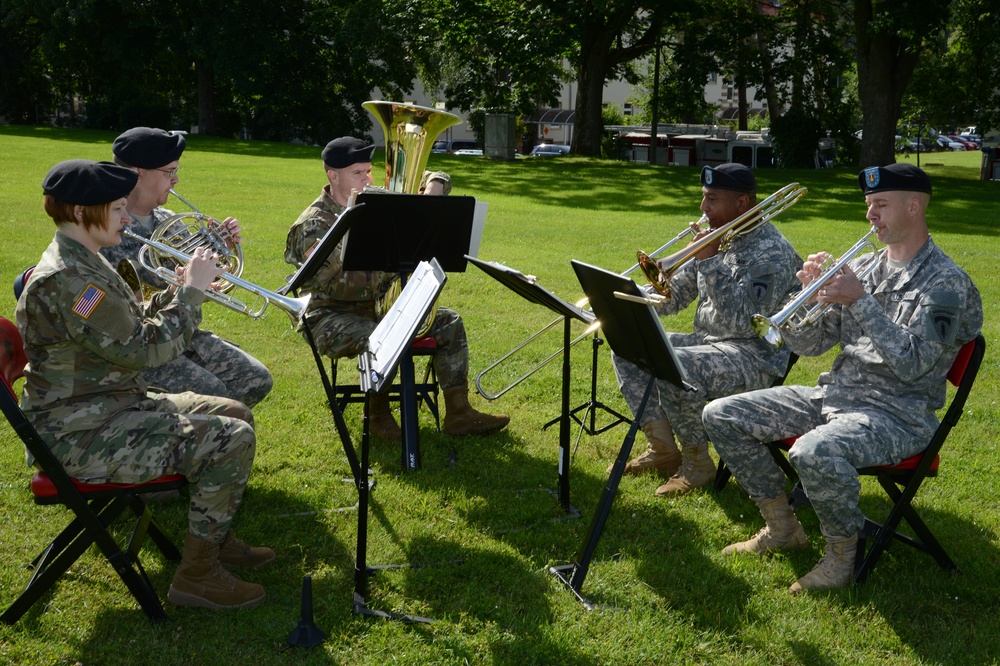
(660, 271)
(294, 307)
(793, 316)
(558, 320)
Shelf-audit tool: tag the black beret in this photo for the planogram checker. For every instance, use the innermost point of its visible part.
(89, 183)
(902, 176)
(729, 176)
(148, 147)
(345, 151)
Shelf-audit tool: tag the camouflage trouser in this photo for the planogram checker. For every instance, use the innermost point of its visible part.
(345, 335)
(212, 366)
(829, 449)
(715, 370)
(209, 440)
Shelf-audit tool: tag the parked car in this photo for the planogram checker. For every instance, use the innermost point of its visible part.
(449, 146)
(969, 145)
(550, 150)
(469, 151)
(974, 139)
(945, 143)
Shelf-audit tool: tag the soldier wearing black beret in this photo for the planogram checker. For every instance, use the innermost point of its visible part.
(898, 319)
(87, 341)
(722, 355)
(342, 312)
(210, 366)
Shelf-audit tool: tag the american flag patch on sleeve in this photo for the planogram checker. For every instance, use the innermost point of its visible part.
(88, 301)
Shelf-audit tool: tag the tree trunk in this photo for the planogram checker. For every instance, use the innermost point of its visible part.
(206, 99)
(885, 66)
(593, 68)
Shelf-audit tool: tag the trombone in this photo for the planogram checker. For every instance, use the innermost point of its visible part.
(660, 271)
(294, 307)
(793, 316)
(590, 329)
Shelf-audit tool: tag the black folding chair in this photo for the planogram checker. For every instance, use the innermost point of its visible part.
(902, 481)
(95, 507)
(427, 391)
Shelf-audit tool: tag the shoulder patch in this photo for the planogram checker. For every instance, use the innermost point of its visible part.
(88, 301)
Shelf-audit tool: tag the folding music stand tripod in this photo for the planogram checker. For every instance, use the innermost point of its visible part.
(590, 408)
(388, 344)
(634, 332)
(529, 288)
(393, 233)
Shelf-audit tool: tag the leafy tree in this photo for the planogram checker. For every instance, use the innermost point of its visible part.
(958, 83)
(891, 37)
(497, 55)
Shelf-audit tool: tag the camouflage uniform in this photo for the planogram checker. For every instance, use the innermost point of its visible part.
(723, 355)
(209, 365)
(875, 406)
(87, 341)
(341, 312)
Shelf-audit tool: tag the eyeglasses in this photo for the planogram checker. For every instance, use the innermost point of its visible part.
(170, 172)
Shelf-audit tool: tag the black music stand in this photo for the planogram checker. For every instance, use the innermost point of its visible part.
(634, 332)
(590, 407)
(393, 233)
(388, 344)
(528, 287)
(316, 259)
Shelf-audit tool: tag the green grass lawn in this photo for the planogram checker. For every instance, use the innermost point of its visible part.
(668, 595)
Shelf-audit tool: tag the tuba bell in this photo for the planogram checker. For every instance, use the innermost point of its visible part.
(410, 132)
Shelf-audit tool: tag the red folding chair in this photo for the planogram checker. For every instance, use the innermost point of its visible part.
(902, 481)
(94, 506)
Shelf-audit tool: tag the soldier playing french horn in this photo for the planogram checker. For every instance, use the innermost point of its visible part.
(210, 365)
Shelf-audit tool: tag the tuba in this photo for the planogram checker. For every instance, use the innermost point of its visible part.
(410, 132)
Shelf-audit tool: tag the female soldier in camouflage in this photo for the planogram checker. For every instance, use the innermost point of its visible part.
(87, 340)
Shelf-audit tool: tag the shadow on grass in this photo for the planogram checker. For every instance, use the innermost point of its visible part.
(304, 544)
(946, 621)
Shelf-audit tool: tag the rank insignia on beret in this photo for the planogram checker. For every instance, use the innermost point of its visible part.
(87, 303)
(872, 177)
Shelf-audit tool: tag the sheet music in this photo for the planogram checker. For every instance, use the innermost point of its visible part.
(478, 224)
(389, 340)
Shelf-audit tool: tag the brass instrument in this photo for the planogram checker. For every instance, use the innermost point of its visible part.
(689, 230)
(792, 316)
(294, 307)
(186, 232)
(410, 132)
(660, 271)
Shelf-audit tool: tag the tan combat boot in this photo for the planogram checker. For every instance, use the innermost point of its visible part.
(662, 455)
(461, 419)
(835, 569)
(235, 553)
(383, 424)
(782, 529)
(696, 470)
(202, 582)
